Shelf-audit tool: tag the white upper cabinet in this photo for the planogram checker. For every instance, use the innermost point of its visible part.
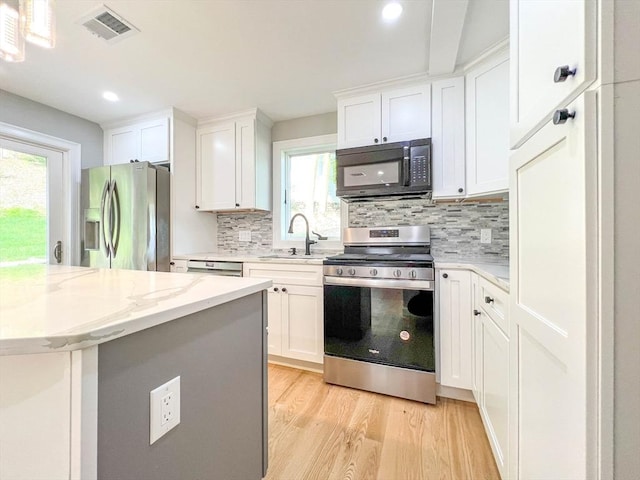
(546, 36)
(233, 164)
(448, 138)
(146, 140)
(389, 116)
(487, 132)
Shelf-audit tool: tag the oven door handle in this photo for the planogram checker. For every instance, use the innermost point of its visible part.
(378, 283)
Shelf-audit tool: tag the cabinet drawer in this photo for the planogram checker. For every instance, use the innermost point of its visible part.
(495, 303)
(294, 274)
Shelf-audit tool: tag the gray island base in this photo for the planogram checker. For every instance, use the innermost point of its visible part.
(220, 357)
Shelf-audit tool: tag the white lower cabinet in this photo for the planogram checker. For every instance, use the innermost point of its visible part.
(454, 288)
(179, 266)
(295, 309)
(491, 365)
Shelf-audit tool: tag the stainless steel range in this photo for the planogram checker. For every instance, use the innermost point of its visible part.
(378, 313)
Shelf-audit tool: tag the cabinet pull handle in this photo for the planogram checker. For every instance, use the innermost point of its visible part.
(197, 206)
(488, 300)
(284, 290)
(172, 263)
(477, 312)
(460, 190)
(445, 275)
(375, 140)
(384, 139)
(237, 204)
(561, 116)
(562, 73)
(276, 289)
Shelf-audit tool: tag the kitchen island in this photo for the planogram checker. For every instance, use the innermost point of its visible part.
(81, 349)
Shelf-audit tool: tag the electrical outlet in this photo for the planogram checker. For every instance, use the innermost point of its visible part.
(164, 407)
(245, 235)
(485, 235)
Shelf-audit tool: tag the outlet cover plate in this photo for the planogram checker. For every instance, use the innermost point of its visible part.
(485, 235)
(164, 408)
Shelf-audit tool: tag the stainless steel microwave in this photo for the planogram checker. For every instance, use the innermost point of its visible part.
(400, 168)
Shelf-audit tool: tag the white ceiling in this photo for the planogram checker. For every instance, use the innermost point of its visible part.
(215, 57)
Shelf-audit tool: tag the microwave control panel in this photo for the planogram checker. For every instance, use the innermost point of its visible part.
(420, 167)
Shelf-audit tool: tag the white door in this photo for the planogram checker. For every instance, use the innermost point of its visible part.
(359, 121)
(406, 114)
(216, 169)
(545, 36)
(303, 323)
(454, 287)
(122, 145)
(32, 207)
(554, 261)
(246, 163)
(448, 138)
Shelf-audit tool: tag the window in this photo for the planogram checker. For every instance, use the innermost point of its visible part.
(305, 182)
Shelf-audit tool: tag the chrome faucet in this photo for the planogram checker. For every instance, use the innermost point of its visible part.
(307, 241)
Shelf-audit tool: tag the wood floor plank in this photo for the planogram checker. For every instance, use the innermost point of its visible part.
(327, 432)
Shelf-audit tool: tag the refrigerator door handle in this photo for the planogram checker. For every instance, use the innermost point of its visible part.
(104, 215)
(114, 201)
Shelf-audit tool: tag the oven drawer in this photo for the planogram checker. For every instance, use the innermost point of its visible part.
(495, 303)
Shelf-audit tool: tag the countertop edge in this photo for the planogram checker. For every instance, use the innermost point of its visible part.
(92, 337)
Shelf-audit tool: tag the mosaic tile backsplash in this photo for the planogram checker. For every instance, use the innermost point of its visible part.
(455, 227)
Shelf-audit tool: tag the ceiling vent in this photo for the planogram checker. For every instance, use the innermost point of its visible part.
(108, 25)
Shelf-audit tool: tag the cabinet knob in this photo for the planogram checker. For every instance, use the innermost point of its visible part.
(384, 139)
(172, 263)
(561, 116)
(488, 300)
(562, 73)
(476, 312)
(197, 206)
(460, 190)
(375, 140)
(276, 289)
(237, 204)
(445, 275)
(284, 290)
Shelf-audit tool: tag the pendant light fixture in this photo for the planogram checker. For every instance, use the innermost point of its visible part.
(30, 20)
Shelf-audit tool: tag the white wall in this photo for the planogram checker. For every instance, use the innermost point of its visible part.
(25, 113)
(315, 125)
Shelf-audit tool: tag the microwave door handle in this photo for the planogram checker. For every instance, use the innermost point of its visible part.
(405, 167)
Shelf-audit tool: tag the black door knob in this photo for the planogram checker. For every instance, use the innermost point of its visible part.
(375, 140)
(284, 290)
(197, 206)
(445, 275)
(237, 204)
(561, 116)
(276, 289)
(384, 139)
(562, 73)
(476, 312)
(460, 190)
(172, 263)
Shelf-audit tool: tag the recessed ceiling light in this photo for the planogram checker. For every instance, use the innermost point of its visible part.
(112, 97)
(391, 11)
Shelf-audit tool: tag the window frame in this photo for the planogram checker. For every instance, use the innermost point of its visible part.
(282, 150)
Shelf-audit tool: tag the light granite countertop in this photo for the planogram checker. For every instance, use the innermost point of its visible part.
(496, 273)
(46, 308)
(315, 258)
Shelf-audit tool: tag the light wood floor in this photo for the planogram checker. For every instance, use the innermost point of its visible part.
(321, 431)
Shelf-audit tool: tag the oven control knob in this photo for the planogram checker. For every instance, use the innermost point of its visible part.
(397, 273)
(413, 274)
(339, 271)
(352, 271)
(373, 272)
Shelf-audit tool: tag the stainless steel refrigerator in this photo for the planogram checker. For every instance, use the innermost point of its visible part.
(126, 217)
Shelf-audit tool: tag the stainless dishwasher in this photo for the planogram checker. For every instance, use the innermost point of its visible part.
(225, 269)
